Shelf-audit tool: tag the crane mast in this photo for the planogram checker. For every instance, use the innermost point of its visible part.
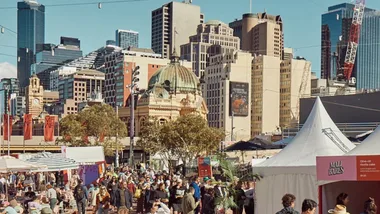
(353, 41)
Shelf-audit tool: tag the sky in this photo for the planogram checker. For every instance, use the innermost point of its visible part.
(93, 26)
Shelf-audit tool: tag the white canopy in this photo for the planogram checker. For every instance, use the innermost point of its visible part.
(54, 162)
(293, 170)
(370, 146)
(12, 164)
(85, 155)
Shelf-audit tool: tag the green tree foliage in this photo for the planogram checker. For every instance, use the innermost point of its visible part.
(93, 122)
(187, 137)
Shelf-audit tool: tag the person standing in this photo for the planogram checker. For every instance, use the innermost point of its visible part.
(288, 201)
(188, 202)
(178, 194)
(309, 206)
(112, 188)
(52, 196)
(208, 201)
(197, 192)
(123, 199)
(81, 197)
(103, 201)
(249, 203)
(370, 207)
(239, 198)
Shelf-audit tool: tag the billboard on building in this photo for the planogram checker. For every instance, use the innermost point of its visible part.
(239, 100)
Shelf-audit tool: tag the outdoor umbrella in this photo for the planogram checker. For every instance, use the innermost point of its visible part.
(54, 162)
(244, 146)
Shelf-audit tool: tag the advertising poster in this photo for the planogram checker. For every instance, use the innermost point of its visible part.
(368, 168)
(204, 167)
(336, 168)
(239, 100)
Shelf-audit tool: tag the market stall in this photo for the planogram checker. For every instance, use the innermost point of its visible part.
(12, 164)
(358, 171)
(91, 161)
(293, 170)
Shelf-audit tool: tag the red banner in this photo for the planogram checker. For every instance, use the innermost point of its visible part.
(204, 167)
(101, 138)
(7, 127)
(49, 128)
(28, 127)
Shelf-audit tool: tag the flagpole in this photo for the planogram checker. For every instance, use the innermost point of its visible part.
(23, 141)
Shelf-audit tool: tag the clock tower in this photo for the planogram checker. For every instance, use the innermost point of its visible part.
(34, 97)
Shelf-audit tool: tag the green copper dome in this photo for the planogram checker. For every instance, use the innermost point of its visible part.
(175, 78)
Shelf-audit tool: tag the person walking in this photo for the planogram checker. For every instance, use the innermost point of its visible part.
(208, 201)
(81, 197)
(124, 199)
(239, 198)
(309, 206)
(103, 201)
(197, 192)
(288, 201)
(370, 207)
(52, 196)
(188, 202)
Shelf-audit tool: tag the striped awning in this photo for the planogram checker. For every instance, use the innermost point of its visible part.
(53, 161)
(12, 164)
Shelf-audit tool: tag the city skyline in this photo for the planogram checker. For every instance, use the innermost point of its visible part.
(294, 27)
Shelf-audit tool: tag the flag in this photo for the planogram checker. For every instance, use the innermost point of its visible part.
(28, 127)
(5, 126)
(101, 138)
(85, 136)
(49, 128)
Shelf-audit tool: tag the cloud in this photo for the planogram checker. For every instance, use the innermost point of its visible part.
(7, 70)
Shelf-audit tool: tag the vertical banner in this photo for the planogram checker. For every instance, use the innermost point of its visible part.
(204, 167)
(28, 127)
(239, 99)
(49, 128)
(7, 126)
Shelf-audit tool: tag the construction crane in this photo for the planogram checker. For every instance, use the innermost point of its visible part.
(304, 81)
(353, 41)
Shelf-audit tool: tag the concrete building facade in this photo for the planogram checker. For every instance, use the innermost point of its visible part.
(213, 37)
(228, 94)
(261, 34)
(34, 97)
(172, 25)
(118, 66)
(265, 89)
(127, 38)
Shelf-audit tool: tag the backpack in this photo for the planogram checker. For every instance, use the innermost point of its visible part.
(79, 193)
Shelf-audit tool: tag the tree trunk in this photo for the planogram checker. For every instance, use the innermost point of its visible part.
(184, 168)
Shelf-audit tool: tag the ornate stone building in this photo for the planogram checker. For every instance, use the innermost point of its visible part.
(34, 97)
(172, 91)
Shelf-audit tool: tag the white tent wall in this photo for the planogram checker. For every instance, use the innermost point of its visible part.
(358, 192)
(271, 189)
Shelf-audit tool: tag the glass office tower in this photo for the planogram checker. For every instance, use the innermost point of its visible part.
(30, 37)
(127, 38)
(335, 32)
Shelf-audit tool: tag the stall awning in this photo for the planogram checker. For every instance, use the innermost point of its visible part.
(12, 164)
(54, 162)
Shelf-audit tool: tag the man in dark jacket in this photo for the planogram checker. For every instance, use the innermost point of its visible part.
(81, 197)
(123, 199)
(288, 203)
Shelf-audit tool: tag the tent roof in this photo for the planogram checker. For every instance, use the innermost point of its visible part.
(54, 162)
(12, 164)
(85, 155)
(310, 142)
(370, 146)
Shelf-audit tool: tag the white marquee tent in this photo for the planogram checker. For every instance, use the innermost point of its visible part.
(293, 170)
(370, 146)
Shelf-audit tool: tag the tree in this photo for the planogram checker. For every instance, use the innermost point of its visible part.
(187, 137)
(99, 122)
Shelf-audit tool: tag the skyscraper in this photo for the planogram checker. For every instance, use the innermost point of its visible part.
(127, 38)
(172, 25)
(212, 38)
(335, 30)
(30, 37)
(260, 34)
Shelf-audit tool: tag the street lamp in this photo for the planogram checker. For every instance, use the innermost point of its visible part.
(132, 87)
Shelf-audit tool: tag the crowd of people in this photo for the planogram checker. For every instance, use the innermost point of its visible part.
(309, 206)
(121, 190)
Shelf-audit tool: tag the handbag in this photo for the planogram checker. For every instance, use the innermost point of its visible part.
(138, 193)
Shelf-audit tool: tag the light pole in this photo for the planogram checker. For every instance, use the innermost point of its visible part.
(117, 143)
(6, 88)
(134, 80)
(232, 119)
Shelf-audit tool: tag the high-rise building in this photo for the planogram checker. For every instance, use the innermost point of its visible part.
(212, 38)
(8, 87)
(127, 38)
(118, 66)
(228, 93)
(172, 25)
(336, 23)
(295, 83)
(30, 37)
(76, 88)
(265, 90)
(260, 34)
(52, 57)
(111, 42)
